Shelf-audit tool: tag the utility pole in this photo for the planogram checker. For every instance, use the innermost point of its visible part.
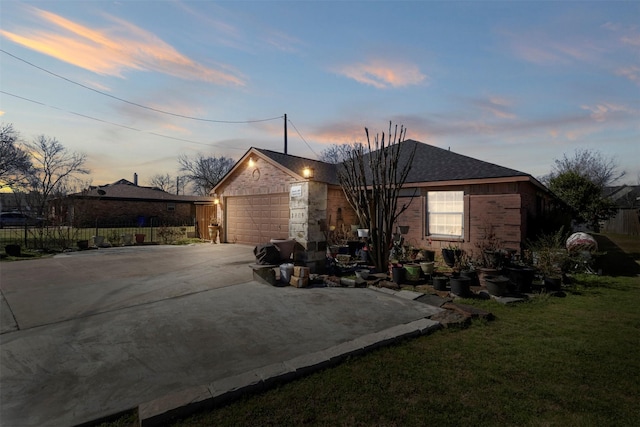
(285, 133)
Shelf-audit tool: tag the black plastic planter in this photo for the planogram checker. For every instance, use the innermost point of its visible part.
(397, 275)
(450, 256)
(440, 283)
(460, 286)
(521, 277)
(497, 285)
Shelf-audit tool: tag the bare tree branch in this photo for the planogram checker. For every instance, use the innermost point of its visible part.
(14, 161)
(205, 172)
(372, 182)
(593, 165)
(164, 182)
(54, 169)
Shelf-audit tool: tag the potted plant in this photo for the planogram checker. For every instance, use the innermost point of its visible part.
(551, 257)
(440, 282)
(491, 257)
(497, 285)
(460, 285)
(140, 238)
(451, 255)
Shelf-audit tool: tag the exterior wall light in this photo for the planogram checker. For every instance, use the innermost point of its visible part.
(251, 162)
(308, 172)
(216, 199)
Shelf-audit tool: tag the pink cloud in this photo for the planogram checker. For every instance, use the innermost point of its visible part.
(114, 50)
(382, 74)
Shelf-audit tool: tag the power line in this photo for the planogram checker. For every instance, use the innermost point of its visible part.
(305, 141)
(116, 124)
(134, 103)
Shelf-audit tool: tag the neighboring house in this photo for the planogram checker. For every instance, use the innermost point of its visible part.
(125, 202)
(458, 199)
(15, 202)
(627, 219)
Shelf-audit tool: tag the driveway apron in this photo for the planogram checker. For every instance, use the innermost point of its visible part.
(93, 333)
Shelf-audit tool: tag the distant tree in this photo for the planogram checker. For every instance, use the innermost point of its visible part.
(593, 165)
(338, 153)
(204, 173)
(55, 169)
(164, 182)
(585, 198)
(14, 160)
(371, 178)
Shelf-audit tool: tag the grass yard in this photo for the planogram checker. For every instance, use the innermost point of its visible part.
(565, 360)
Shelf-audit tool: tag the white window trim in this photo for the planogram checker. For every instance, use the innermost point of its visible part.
(452, 213)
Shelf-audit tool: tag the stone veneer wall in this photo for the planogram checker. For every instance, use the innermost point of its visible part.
(307, 212)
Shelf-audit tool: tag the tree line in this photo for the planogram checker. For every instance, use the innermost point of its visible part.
(44, 169)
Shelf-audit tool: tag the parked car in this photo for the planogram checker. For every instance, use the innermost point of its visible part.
(17, 219)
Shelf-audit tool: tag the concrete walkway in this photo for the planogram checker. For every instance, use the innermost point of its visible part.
(90, 334)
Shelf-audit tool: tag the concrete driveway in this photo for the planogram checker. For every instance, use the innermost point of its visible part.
(89, 334)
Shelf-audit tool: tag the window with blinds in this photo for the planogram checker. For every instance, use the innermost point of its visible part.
(445, 211)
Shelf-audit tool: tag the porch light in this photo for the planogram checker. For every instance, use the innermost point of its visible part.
(308, 172)
(216, 199)
(251, 162)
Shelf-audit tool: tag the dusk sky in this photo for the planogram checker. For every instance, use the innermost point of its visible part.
(134, 84)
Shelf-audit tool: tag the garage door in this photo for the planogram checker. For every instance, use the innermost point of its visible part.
(253, 220)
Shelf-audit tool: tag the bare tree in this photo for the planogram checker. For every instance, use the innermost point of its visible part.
(54, 170)
(14, 161)
(164, 182)
(338, 153)
(204, 173)
(372, 182)
(590, 164)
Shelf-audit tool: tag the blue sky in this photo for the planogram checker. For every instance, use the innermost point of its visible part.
(514, 83)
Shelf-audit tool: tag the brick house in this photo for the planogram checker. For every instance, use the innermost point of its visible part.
(124, 202)
(456, 200)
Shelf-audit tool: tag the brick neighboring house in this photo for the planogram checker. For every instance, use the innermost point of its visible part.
(124, 202)
(457, 200)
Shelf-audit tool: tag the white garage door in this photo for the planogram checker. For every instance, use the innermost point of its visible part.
(253, 220)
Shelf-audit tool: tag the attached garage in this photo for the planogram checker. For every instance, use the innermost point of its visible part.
(256, 219)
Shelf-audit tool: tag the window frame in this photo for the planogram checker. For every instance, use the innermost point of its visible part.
(460, 214)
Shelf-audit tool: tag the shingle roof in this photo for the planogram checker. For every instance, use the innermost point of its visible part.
(436, 164)
(323, 172)
(430, 164)
(123, 189)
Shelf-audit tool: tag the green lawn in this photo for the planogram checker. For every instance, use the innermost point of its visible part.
(572, 359)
